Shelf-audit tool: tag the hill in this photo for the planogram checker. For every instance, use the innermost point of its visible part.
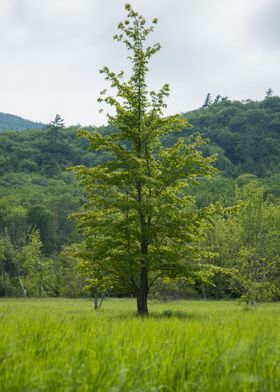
(245, 134)
(37, 192)
(16, 123)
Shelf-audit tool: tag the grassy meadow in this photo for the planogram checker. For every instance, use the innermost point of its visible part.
(63, 345)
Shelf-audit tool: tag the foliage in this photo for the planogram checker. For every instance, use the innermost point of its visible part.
(244, 134)
(245, 237)
(247, 132)
(32, 198)
(139, 224)
(38, 194)
(36, 272)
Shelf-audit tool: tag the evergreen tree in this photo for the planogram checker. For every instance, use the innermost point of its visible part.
(208, 101)
(218, 98)
(269, 93)
(55, 126)
(139, 225)
(58, 122)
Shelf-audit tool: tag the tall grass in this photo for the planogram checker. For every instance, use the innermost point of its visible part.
(63, 345)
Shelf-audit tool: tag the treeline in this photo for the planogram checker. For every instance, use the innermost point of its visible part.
(38, 243)
(37, 194)
(245, 135)
(243, 241)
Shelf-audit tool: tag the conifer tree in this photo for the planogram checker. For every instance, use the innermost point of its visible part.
(55, 126)
(139, 224)
(218, 98)
(269, 93)
(208, 101)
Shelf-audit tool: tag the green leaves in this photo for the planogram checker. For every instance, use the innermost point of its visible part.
(139, 223)
(244, 238)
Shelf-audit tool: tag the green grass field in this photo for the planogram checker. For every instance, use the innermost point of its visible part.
(63, 345)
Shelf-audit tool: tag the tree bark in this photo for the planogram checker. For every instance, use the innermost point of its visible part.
(95, 300)
(142, 293)
(23, 288)
(101, 299)
(203, 291)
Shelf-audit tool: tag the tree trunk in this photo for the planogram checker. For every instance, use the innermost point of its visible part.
(101, 299)
(203, 291)
(22, 287)
(142, 293)
(95, 301)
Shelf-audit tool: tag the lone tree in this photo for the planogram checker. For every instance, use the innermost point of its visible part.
(269, 93)
(138, 223)
(54, 127)
(208, 101)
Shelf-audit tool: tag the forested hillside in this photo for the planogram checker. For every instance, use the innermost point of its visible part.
(16, 123)
(247, 134)
(244, 135)
(37, 194)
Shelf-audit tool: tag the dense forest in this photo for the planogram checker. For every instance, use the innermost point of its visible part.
(38, 192)
(16, 123)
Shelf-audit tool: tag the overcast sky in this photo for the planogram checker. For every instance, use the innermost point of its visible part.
(51, 52)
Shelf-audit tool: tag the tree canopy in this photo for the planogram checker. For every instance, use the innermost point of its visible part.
(139, 224)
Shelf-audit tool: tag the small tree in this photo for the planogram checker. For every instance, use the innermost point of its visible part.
(53, 146)
(8, 267)
(269, 93)
(139, 224)
(96, 282)
(36, 274)
(257, 257)
(218, 98)
(208, 101)
(245, 237)
(55, 126)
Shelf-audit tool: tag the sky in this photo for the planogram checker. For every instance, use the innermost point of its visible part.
(51, 52)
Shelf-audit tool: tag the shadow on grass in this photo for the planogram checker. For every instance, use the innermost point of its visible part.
(166, 314)
(178, 314)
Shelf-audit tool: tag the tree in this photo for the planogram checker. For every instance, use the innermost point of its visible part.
(258, 256)
(218, 98)
(245, 237)
(269, 93)
(42, 219)
(36, 275)
(55, 126)
(208, 101)
(54, 146)
(95, 281)
(8, 267)
(139, 224)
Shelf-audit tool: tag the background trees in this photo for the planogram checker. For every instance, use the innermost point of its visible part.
(35, 272)
(248, 133)
(27, 187)
(246, 237)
